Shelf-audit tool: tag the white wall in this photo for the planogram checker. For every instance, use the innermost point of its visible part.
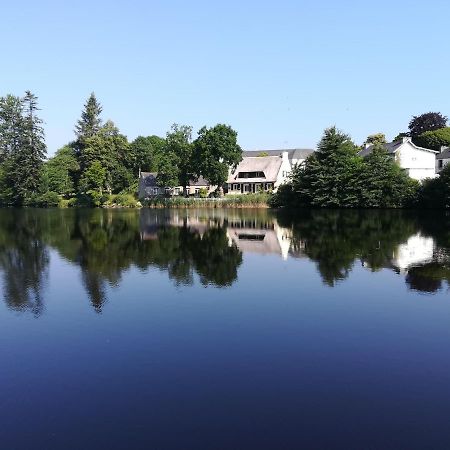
(420, 164)
(285, 170)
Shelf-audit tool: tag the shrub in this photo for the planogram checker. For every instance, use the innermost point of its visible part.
(123, 200)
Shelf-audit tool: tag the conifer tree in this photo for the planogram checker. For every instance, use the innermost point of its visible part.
(90, 121)
(21, 169)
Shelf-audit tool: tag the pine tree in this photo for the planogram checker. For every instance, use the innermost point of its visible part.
(11, 123)
(22, 165)
(90, 121)
(335, 180)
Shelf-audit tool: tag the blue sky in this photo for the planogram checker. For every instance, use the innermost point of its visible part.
(278, 72)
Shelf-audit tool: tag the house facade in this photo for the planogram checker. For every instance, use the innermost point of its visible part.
(442, 158)
(263, 170)
(418, 162)
(148, 187)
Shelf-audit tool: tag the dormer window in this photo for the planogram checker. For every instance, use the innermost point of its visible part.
(251, 175)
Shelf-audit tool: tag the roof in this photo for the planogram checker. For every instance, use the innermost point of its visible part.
(392, 147)
(150, 180)
(270, 165)
(445, 154)
(293, 153)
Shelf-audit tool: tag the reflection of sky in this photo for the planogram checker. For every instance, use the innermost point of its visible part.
(277, 351)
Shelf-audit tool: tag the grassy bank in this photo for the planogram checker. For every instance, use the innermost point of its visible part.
(53, 200)
(235, 201)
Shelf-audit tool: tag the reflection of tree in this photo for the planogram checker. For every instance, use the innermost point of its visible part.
(215, 260)
(24, 259)
(428, 277)
(105, 243)
(335, 239)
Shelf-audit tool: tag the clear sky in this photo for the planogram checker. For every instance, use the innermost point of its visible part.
(278, 72)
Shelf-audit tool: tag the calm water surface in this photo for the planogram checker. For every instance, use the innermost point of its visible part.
(224, 330)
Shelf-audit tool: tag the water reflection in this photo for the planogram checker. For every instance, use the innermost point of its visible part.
(207, 246)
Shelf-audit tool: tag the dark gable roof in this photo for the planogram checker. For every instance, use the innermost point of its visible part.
(293, 153)
(149, 179)
(445, 154)
(391, 148)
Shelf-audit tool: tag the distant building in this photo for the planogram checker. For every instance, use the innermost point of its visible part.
(418, 162)
(442, 159)
(264, 170)
(148, 187)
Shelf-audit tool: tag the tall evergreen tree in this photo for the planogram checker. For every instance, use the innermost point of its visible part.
(11, 125)
(21, 169)
(333, 179)
(90, 121)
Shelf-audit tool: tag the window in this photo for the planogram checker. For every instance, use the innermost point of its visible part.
(177, 191)
(155, 191)
(235, 187)
(251, 175)
(268, 186)
(440, 163)
(246, 188)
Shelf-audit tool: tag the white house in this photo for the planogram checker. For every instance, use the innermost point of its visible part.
(442, 159)
(418, 162)
(264, 170)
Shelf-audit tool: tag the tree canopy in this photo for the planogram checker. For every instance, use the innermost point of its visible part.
(426, 122)
(216, 150)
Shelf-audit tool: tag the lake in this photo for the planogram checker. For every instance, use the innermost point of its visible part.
(224, 329)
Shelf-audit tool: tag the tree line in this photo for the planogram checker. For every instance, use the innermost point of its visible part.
(336, 176)
(101, 161)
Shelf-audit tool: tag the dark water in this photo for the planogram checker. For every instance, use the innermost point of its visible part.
(215, 330)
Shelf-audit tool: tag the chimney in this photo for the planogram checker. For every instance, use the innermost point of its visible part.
(285, 155)
(405, 139)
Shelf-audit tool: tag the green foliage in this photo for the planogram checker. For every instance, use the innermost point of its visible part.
(61, 171)
(179, 146)
(110, 149)
(22, 148)
(400, 136)
(94, 178)
(260, 200)
(330, 177)
(386, 185)
(167, 170)
(337, 177)
(145, 153)
(123, 200)
(378, 138)
(90, 122)
(216, 149)
(426, 122)
(203, 193)
(435, 192)
(435, 139)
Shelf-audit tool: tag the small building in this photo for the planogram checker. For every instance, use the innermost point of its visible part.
(259, 173)
(442, 158)
(418, 162)
(148, 187)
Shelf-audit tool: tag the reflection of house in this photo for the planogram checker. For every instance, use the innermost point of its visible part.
(148, 187)
(442, 159)
(416, 250)
(253, 237)
(418, 162)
